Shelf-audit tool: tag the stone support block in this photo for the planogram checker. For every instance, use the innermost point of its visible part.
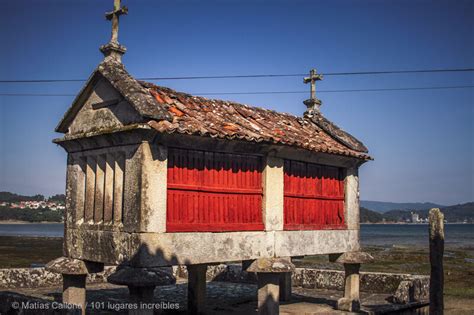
(74, 292)
(196, 288)
(351, 301)
(268, 293)
(141, 283)
(285, 286)
(273, 194)
(74, 272)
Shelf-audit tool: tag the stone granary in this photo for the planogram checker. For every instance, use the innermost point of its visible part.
(157, 178)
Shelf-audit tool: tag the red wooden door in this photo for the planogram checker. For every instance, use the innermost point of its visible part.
(314, 196)
(212, 191)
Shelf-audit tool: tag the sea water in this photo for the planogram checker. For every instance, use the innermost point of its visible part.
(458, 235)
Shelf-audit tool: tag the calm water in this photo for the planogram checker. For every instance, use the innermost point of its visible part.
(371, 234)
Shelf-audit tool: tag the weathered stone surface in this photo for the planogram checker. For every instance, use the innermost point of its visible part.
(273, 194)
(348, 305)
(297, 243)
(351, 199)
(40, 277)
(67, 266)
(352, 258)
(142, 277)
(271, 265)
(180, 248)
(409, 291)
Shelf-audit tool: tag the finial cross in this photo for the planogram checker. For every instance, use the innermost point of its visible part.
(313, 77)
(114, 16)
(312, 103)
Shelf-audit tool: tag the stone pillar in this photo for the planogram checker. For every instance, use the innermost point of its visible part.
(145, 188)
(351, 301)
(141, 283)
(273, 194)
(351, 260)
(74, 290)
(269, 272)
(351, 199)
(268, 293)
(285, 287)
(196, 288)
(74, 272)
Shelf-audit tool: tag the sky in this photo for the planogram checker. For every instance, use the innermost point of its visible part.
(421, 140)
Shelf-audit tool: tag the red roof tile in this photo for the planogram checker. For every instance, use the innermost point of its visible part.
(223, 119)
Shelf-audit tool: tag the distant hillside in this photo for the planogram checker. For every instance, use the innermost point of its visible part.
(6, 196)
(456, 213)
(369, 216)
(381, 206)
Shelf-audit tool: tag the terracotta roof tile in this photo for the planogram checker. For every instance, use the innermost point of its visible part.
(223, 119)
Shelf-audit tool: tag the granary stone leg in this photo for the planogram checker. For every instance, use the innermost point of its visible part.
(142, 297)
(268, 293)
(351, 260)
(74, 272)
(350, 302)
(269, 272)
(285, 286)
(196, 288)
(141, 283)
(74, 290)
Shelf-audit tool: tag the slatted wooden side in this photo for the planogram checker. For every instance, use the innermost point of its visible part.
(314, 196)
(212, 191)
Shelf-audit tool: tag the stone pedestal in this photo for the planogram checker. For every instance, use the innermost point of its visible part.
(351, 301)
(74, 272)
(285, 287)
(351, 260)
(141, 283)
(196, 288)
(269, 274)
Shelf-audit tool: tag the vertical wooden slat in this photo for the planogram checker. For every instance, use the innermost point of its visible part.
(314, 196)
(207, 191)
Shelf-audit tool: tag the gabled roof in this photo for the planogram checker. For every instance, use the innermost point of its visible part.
(126, 85)
(195, 115)
(170, 111)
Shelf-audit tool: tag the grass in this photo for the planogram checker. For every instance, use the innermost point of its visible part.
(459, 271)
(16, 252)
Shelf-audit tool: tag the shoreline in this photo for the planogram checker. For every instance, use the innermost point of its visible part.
(27, 222)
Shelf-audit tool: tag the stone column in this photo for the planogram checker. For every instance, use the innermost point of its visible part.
(351, 199)
(351, 260)
(269, 271)
(74, 272)
(141, 283)
(196, 288)
(351, 300)
(285, 286)
(273, 194)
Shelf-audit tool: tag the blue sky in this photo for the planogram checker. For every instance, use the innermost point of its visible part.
(422, 141)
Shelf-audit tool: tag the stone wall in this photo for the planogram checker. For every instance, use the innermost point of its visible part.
(38, 277)
(302, 277)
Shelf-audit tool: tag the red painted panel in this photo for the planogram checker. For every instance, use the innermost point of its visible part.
(314, 196)
(213, 191)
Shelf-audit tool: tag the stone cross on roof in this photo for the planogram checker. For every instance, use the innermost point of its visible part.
(313, 103)
(113, 49)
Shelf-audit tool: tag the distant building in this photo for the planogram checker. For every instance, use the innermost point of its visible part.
(415, 217)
